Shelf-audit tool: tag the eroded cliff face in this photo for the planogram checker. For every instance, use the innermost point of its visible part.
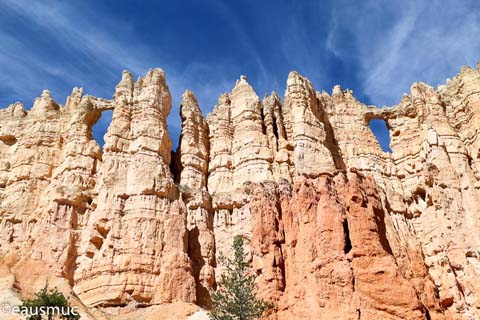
(336, 228)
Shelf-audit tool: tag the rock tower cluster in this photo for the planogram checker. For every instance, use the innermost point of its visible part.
(336, 228)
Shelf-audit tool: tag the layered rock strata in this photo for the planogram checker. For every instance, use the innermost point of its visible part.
(134, 248)
(192, 163)
(336, 227)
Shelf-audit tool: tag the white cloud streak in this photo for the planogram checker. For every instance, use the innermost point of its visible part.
(97, 46)
(81, 29)
(397, 43)
(299, 42)
(392, 43)
(75, 30)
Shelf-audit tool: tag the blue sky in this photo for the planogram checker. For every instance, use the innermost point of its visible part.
(376, 48)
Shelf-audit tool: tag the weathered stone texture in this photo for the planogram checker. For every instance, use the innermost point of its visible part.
(192, 157)
(134, 248)
(336, 227)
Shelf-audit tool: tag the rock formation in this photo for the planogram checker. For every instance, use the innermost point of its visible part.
(192, 160)
(336, 227)
(134, 247)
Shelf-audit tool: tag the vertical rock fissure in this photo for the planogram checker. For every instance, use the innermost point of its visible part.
(175, 167)
(382, 230)
(330, 140)
(275, 128)
(427, 313)
(346, 232)
(262, 115)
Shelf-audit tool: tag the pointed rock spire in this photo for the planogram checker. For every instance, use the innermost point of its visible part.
(44, 103)
(74, 99)
(311, 156)
(189, 105)
(193, 147)
(124, 89)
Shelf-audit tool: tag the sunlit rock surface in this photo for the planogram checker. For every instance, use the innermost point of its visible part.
(336, 228)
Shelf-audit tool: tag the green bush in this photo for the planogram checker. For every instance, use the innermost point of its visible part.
(48, 304)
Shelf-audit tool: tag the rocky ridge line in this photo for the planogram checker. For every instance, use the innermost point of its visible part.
(336, 226)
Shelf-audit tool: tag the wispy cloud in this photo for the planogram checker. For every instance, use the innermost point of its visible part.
(89, 39)
(378, 47)
(27, 57)
(25, 66)
(84, 32)
(299, 43)
(240, 28)
(95, 48)
(397, 43)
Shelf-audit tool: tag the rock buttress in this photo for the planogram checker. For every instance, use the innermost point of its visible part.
(47, 180)
(320, 251)
(135, 247)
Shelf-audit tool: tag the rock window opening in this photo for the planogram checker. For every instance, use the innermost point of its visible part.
(380, 131)
(99, 129)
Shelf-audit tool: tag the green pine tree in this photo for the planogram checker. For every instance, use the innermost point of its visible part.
(48, 298)
(234, 298)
